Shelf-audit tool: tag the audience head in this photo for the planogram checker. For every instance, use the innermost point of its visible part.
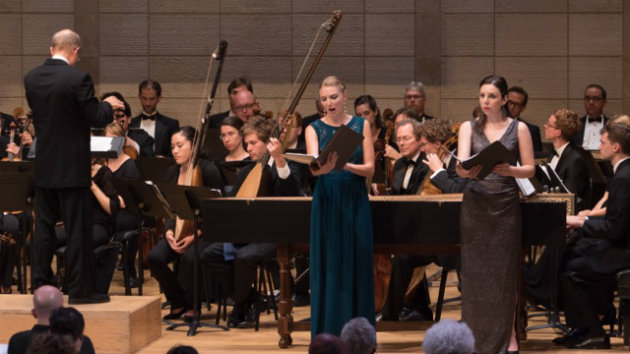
(332, 94)
(181, 144)
(415, 97)
(563, 124)
(325, 343)
(517, 101)
(182, 349)
(230, 132)
(46, 299)
(449, 337)
(433, 133)
(48, 343)
(244, 105)
(68, 321)
(359, 336)
(366, 108)
(67, 43)
(594, 100)
(406, 113)
(614, 141)
(256, 133)
(150, 94)
(408, 133)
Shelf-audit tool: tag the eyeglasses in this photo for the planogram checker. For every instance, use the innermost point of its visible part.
(547, 125)
(413, 97)
(595, 99)
(244, 107)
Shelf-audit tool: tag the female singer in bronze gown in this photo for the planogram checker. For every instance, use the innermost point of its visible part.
(178, 287)
(491, 222)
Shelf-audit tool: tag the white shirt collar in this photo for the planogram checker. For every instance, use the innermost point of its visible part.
(61, 57)
(560, 150)
(618, 163)
(149, 115)
(600, 118)
(415, 158)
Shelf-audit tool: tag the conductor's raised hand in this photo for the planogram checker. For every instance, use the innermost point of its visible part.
(114, 102)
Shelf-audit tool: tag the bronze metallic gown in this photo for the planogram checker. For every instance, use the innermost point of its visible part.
(491, 241)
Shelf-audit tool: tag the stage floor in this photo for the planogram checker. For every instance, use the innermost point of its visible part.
(266, 339)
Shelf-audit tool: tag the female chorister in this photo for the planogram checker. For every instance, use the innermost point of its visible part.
(341, 259)
(179, 292)
(491, 222)
(230, 134)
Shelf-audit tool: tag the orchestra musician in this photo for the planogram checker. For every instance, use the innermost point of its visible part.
(391, 149)
(11, 244)
(230, 135)
(490, 219)
(158, 126)
(594, 119)
(341, 249)
(63, 104)
(599, 250)
(235, 265)
(416, 99)
(136, 138)
(433, 135)
(178, 287)
(237, 85)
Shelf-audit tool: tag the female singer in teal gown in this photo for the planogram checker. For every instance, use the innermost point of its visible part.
(342, 250)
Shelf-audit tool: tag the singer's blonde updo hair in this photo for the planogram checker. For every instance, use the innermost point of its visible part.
(333, 81)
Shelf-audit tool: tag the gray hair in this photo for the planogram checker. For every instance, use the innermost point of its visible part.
(417, 127)
(449, 337)
(416, 86)
(359, 336)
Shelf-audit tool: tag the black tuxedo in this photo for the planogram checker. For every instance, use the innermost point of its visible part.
(448, 181)
(602, 248)
(144, 141)
(165, 127)
(417, 176)
(578, 139)
(7, 120)
(64, 107)
(215, 120)
(534, 131)
(572, 169)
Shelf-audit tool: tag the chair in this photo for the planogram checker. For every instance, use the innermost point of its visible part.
(124, 237)
(265, 287)
(623, 288)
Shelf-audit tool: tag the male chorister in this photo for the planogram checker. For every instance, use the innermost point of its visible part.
(158, 126)
(236, 86)
(517, 103)
(234, 265)
(568, 160)
(409, 172)
(64, 106)
(416, 98)
(600, 250)
(594, 120)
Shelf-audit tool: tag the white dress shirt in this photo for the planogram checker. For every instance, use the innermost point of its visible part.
(592, 133)
(554, 160)
(148, 125)
(409, 171)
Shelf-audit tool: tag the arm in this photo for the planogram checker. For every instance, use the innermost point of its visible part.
(598, 210)
(527, 168)
(103, 190)
(96, 113)
(312, 148)
(366, 169)
(615, 225)
(464, 148)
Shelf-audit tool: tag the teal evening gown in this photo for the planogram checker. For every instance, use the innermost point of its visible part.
(342, 250)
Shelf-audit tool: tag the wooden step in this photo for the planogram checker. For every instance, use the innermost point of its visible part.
(123, 325)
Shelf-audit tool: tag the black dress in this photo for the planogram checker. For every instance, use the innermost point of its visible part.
(490, 222)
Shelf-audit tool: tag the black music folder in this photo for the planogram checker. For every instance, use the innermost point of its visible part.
(344, 142)
(489, 157)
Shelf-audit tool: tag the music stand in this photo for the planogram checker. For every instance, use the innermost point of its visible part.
(186, 202)
(17, 190)
(153, 168)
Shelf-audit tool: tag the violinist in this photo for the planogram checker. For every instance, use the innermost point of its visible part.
(178, 287)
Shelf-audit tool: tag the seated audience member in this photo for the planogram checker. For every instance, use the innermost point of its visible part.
(516, 105)
(598, 252)
(449, 337)
(182, 349)
(236, 86)
(68, 321)
(235, 265)
(179, 289)
(325, 343)
(46, 299)
(158, 126)
(594, 119)
(48, 343)
(433, 134)
(359, 336)
(136, 138)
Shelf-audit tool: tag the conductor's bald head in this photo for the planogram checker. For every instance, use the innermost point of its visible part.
(67, 43)
(46, 299)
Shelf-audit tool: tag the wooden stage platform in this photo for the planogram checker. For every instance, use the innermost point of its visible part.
(236, 340)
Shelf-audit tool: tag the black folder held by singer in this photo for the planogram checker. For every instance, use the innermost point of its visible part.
(489, 157)
(344, 142)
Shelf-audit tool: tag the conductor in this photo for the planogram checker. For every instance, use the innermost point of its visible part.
(64, 108)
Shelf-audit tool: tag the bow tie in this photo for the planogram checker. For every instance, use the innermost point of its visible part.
(594, 119)
(409, 162)
(554, 153)
(145, 117)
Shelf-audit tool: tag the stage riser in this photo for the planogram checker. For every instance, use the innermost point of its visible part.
(124, 325)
